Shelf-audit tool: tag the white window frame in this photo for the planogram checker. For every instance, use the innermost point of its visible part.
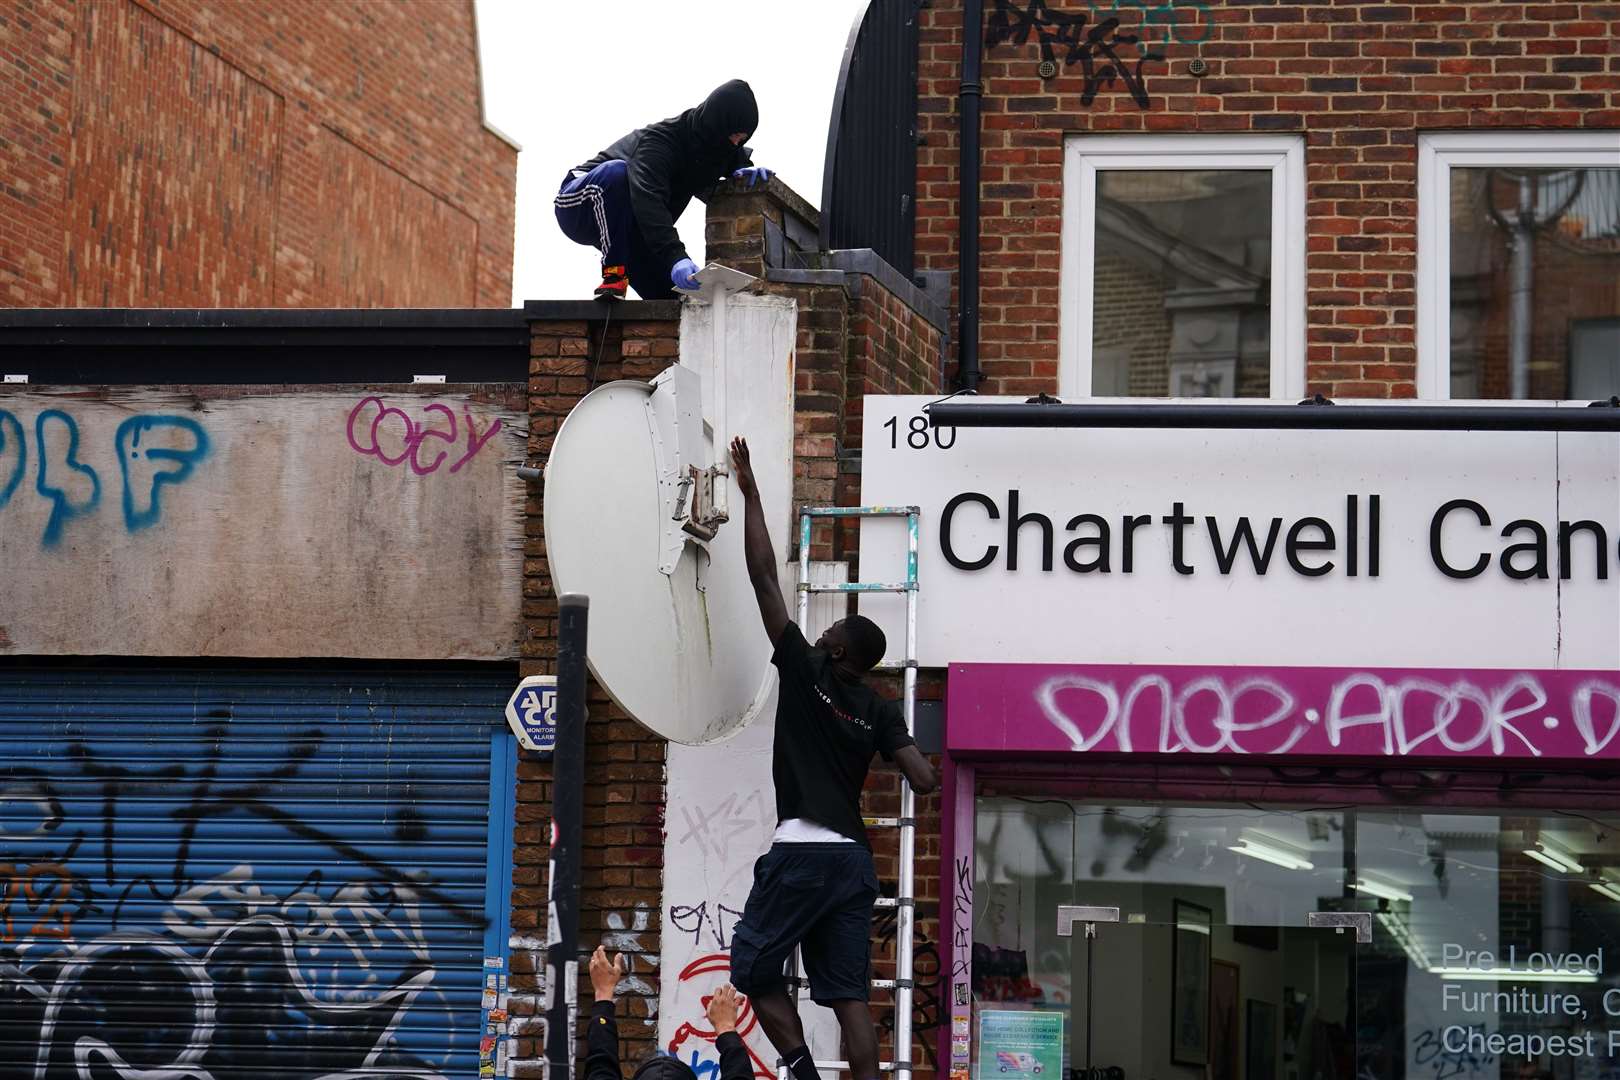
(1282, 155)
(1438, 153)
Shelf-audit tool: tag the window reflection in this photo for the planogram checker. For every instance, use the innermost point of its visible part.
(1535, 283)
(1182, 283)
(1495, 949)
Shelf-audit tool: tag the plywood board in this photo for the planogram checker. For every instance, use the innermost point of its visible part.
(236, 521)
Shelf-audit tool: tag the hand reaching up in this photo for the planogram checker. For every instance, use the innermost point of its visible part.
(605, 973)
(723, 1009)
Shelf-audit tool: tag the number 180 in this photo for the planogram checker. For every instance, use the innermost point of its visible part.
(919, 436)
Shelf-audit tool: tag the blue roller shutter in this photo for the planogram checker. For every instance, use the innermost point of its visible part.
(254, 874)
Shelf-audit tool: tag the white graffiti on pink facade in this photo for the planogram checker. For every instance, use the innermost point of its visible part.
(1515, 714)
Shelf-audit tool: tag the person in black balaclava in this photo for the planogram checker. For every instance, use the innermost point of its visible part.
(624, 201)
(602, 1036)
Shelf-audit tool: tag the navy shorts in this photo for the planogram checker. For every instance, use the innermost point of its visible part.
(818, 896)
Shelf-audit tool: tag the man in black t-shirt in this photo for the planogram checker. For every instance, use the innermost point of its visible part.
(816, 885)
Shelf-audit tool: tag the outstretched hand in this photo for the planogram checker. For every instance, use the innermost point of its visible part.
(605, 973)
(723, 1009)
(744, 467)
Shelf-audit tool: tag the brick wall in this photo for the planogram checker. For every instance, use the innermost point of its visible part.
(622, 857)
(855, 336)
(1359, 79)
(312, 153)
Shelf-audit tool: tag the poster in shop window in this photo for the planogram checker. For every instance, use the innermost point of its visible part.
(1189, 989)
(1020, 1045)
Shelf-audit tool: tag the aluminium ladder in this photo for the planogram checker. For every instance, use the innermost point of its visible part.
(904, 900)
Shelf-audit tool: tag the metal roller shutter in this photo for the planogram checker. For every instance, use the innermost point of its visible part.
(215, 874)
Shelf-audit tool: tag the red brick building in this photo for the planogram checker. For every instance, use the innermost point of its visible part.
(303, 154)
(1370, 118)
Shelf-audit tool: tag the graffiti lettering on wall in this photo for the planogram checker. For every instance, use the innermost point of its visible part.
(132, 946)
(1093, 38)
(1431, 1053)
(717, 828)
(695, 919)
(1514, 714)
(962, 920)
(153, 451)
(925, 1000)
(392, 436)
(693, 1041)
(624, 936)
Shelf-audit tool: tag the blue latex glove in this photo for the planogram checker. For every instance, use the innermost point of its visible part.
(684, 274)
(752, 175)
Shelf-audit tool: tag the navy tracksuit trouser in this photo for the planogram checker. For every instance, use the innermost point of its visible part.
(595, 210)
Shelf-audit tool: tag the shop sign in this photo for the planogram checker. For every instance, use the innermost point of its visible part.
(1020, 1044)
(1464, 549)
(1361, 712)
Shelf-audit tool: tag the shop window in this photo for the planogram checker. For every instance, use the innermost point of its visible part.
(1519, 265)
(1494, 951)
(1183, 267)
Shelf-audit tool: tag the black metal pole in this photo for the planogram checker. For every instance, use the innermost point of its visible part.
(1601, 417)
(567, 800)
(967, 172)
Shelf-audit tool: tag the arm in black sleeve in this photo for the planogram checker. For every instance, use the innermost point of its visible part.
(602, 1044)
(741, 158)
(651, 168)
(734, 1061)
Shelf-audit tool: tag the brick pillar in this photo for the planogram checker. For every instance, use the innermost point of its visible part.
(622, 866)
(862, 328)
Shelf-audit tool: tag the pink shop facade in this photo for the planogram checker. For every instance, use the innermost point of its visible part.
(1269, 755)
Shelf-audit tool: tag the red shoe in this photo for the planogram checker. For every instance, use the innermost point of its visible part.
(614, 283)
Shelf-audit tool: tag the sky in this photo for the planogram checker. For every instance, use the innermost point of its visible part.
(566, 79)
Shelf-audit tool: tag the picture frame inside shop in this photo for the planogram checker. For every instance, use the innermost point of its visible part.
(1191, 937)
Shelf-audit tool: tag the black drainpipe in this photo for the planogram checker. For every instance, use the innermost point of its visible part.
(968, 374)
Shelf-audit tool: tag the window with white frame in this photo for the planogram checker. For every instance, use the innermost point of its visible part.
(1519, 264)
(1183, 266)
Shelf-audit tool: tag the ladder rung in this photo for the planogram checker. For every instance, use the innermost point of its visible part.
(856, 586)
(892, 984)
(895, 665)
(890, 822)
(843, 1066)
(859, 511)
(886, 901)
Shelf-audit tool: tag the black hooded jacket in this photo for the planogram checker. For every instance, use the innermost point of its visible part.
(602, 1054)
(674, 160)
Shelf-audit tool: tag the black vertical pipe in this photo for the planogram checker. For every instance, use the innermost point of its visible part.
(967, 245)
(567, 800)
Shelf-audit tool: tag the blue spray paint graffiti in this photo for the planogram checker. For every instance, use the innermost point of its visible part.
(182, 462)
(220, 888)
(153, 450)
(63, 507)
(1187, 22)
(11, 434)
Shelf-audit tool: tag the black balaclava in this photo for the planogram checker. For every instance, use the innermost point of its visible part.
(730, 109)
(662, 1067)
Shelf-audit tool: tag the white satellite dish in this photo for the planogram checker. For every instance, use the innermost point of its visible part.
(636, 498)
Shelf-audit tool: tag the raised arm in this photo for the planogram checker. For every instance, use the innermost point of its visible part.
(602, 1036)
(917, 769)
(757, 546)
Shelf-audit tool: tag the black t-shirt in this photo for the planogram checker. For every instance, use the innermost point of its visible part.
(826, 730)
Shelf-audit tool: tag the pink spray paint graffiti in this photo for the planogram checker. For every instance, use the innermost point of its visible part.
(369, 432)
(693, 1043)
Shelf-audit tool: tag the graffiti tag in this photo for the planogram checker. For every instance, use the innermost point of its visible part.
(1096, 50)
(389, 434)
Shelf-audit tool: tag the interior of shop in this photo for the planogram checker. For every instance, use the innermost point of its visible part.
(1495, 942)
